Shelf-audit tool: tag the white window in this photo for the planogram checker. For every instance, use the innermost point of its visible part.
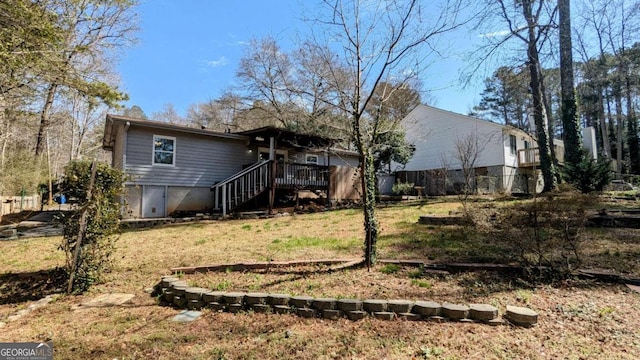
(512, 144)
(311, 159)
(164, 150)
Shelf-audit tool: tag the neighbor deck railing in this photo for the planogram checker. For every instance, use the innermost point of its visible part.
(531, 157)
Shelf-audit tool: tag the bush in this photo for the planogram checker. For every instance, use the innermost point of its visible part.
(545, 232)
(401, 188)
(588, 175)
(102, 213)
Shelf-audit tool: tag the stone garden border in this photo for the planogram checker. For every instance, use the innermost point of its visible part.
(175, 292)
(335, 264)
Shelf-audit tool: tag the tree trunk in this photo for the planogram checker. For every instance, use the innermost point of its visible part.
(551, 126)
(570, 126)
(369, 207)
(611, 126)
(539, 114)
(4, 136)
(606, 145)
(619, 127)
(44, 118)
(632, 130)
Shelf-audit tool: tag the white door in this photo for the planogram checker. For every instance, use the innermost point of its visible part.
(153, 202)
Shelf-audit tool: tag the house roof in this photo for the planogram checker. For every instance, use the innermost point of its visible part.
(292, 138)
(109, 129)
(256, 136)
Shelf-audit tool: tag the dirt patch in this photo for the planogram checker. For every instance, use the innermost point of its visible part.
(11, 219)
(21, 287)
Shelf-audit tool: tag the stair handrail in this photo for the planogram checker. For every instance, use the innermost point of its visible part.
(240, 174)
(224, 186)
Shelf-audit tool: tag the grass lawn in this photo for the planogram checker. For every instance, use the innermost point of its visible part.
(579, 319)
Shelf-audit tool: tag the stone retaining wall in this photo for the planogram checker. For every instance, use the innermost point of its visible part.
(178, 293)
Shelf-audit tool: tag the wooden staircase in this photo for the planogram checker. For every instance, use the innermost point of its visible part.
(242, 187)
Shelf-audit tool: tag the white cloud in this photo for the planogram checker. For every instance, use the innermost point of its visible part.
(495, 34)
(237, 43)
(221, 61)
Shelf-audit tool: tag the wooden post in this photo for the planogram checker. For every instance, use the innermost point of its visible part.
(272, 148)
(224, 200)
(274, 167)
(82, 227)
(329, 177)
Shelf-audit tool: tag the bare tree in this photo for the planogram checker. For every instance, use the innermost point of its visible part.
(205, 115)
(377, 41)
(91, 31)
(266, 81)
(572, 138)
(529, 21)
(86, 116)
(466, 152)
(168, 114)
(463, 158)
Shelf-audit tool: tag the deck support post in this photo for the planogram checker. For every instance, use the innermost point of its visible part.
(224, 200)
(272, 175)
(329, 177)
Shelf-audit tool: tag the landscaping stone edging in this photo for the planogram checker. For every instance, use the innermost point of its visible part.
(175, 292)
(337, 263)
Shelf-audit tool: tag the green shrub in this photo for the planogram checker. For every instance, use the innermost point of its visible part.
(401, 188)
(421, 283)
(102, 214)
(588, 175)
(390, 269)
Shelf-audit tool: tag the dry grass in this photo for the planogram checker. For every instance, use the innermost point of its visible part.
(578, 319)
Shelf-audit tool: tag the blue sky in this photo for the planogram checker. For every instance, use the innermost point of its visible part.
(188, 51)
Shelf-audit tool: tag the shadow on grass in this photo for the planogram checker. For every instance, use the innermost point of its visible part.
(302, 272)
(15, 218)
(20, 287)
(443, 244)
(486, 283)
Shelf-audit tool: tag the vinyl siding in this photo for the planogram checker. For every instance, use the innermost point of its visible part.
(345, 160)
(117, 160)
(199, 160)
(342, 159)
(434, 132)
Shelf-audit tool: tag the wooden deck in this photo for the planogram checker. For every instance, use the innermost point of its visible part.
(530, 158)
(258, 178)
(301, 176)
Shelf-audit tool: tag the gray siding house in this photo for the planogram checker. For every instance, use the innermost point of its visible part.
(174, 168)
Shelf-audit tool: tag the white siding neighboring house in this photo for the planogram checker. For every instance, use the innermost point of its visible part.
(503, 158)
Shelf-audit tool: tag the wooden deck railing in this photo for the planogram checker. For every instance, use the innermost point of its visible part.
(296, 175)
(254, 179)
(528, 157)
(531, 157)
